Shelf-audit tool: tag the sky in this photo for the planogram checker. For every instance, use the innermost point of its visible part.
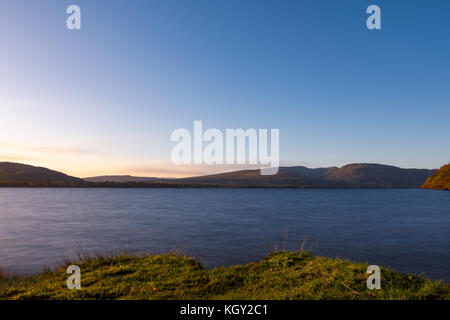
(105, 99)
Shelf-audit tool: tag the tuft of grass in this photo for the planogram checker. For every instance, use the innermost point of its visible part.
(281, 275)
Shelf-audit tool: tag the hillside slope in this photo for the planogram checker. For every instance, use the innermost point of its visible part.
(440, 179)
(285, 176)
(17, 174)
(364, 174)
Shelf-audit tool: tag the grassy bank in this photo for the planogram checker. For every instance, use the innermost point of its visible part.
(281, 275)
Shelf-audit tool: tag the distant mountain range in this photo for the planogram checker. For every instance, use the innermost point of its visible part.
(359, 175)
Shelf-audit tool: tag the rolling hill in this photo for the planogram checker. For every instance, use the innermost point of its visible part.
(17, 174)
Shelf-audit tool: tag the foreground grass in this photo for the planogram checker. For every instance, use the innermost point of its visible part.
(281, 275)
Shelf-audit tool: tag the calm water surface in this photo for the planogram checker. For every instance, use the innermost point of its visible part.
(406, 229)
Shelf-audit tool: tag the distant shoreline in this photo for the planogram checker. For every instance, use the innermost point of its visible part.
(205, 186)
(351, 176)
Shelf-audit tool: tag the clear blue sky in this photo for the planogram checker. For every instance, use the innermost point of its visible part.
(105, 99)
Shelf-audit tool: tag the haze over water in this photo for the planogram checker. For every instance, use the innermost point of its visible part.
(406, 229)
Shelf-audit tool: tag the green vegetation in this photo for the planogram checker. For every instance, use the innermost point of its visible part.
(281, 275)
(440, 179)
